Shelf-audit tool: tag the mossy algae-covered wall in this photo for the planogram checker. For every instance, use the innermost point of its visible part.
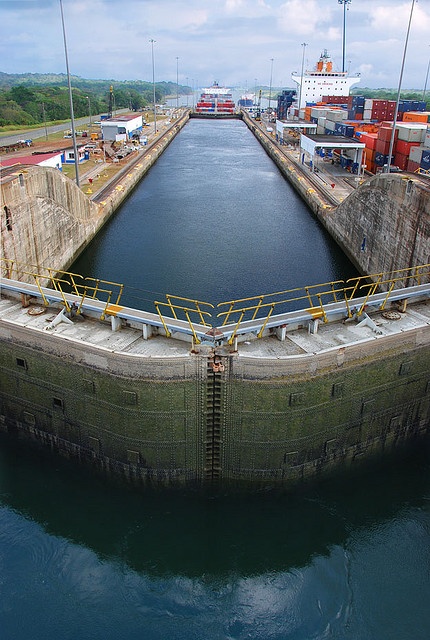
(173, 421)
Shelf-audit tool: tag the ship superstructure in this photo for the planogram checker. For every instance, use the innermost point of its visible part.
(216, 99)
(323, 81)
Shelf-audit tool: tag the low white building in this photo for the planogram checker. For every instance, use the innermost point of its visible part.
(122, 127)
(68, 155)
(42, 159)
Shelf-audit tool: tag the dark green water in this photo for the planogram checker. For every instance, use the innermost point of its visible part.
(213, 220)
(348, 559)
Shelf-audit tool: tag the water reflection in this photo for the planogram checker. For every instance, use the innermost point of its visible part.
(182, 533)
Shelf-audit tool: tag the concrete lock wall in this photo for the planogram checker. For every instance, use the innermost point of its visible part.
(173, 420)
(51, 221)
(49, 218)
(385, 223)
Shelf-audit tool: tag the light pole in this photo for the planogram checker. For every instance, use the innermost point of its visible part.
(72, 117)
(153, 84)
(44, 120)
(270, 85)
(427, 77)
(304, 45)
(344, 2)
(177, 82)
(396, 111)
(89, 111)
(186, 82)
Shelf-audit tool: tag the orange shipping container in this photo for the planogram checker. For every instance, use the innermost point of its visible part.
(370, 154)
(370, 166)
(416, 116)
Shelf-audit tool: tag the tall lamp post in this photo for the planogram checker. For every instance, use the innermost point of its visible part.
(304, 45)
(427, 77)
(89, 111)
(270, 85)
(72, 117)
(344, 2)
(153, 84)
(177, 82)
(396, 110)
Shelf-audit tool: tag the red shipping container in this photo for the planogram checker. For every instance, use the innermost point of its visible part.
(369, 140)
(359, 116)
(380, 103)
(382, 146)
(401, 161)
(385, 133)
(404, 147)
(412, 166)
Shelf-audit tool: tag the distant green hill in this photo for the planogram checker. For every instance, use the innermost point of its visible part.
(33, 98)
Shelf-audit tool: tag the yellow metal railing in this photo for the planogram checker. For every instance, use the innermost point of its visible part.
(65, 282)
(383, 283)
(177, 308)
(356, 294)
(316, 297)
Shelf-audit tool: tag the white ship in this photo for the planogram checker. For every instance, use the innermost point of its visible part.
(323, 81)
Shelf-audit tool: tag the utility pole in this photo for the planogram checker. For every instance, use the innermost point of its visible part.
(427, 77)
(304, 45)
(344, 2)
(72, 117)
(177, 82)
(270, 86)
(396, 111)
(153, 85)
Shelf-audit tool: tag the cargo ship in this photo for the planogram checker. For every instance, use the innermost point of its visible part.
(216, 100)
(323, 81)
(246, 100)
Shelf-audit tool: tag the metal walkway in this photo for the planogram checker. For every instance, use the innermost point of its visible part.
(257, 317)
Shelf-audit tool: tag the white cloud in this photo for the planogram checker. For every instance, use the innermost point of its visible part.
(230, 39)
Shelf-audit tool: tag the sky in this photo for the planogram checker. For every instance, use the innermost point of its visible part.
(238, 43)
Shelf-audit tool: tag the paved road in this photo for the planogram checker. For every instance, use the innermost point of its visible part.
(32, 134)
(39, 133)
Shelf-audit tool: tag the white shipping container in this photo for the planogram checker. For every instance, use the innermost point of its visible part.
(317, 112)
(320, 129)
(415, 154)
(321, 121)
(368, 104)
(337, 115)
(367, 114)
(330, 125)
(413, 132)
(427, 138)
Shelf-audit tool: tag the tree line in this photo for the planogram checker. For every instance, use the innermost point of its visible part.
(32, 99)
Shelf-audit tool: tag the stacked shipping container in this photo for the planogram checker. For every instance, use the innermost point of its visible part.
(369, 120)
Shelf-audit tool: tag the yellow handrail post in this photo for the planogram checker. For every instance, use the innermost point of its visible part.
(260, 333)
(168, 334)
